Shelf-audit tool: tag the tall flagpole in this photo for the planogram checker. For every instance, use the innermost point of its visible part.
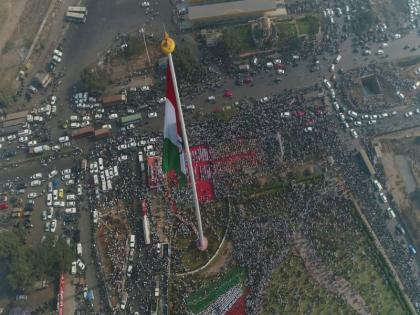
(168, 46)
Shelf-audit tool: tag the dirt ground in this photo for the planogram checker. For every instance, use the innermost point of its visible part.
(395, 182)
(19, 23)
(221, 261)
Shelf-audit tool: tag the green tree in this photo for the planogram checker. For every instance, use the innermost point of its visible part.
(135, 46)
(185, 62)
(95, 80)
(231, 43)
(21, 269)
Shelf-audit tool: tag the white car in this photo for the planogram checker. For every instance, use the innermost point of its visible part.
(35, 183)
(71, 210)
(2, 139)
(357, 123)
(32, 143)
(70, 203)
(264, 99)
(52, 173)
(130, 126)
(53, 225)
(151, 153)
(122, 158)
(308, 129)
(55, 194)
(74, 125)
(23, 139)
(145, 88)
(122, 147)
(59, 204)
(80, 264)
(73, 268)
(53, 99)
(66, 171)
(107, 126)
(113, 116)
(408, 114)
(70, 182)
(372, 122)
(36, 176)
(161, 100)
(145, 4)
(32, 195)
(50, 213)
(190, 107)
(152, 115)
(11, 138)
(354, 133)
(66, 177)
(129, 270)
(63, 139)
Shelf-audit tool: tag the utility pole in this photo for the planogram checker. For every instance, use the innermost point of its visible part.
(145, 44)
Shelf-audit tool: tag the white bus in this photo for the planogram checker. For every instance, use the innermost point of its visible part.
(75, 17)
(82, 10)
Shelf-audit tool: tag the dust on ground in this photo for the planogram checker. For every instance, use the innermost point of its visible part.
(394, 146)
(221, 261)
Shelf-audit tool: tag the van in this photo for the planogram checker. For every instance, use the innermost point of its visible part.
(391, 213)
(377, 184)
(79, 249)
(71, 197)
(124, 298)
(132, 240)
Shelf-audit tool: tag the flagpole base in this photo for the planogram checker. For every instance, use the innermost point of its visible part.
(203, 244)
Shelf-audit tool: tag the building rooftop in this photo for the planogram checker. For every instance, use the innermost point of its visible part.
(226, 9)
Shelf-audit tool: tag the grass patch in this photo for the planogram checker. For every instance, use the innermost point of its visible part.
(286, 30)
(226, 113)
(243, 36)
(307, 25)
(293, 291)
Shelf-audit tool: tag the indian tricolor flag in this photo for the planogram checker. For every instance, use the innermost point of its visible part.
(173, 150)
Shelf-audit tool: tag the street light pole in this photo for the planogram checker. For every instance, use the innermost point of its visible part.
(145, 45)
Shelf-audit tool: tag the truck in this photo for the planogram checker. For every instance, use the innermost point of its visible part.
(39, 149)
(76, 9)
(83, 132)
(75, 17)
(79, 249)
(102, 133)
(337, 59)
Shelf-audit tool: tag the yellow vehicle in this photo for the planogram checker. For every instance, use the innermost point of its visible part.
(61, 193)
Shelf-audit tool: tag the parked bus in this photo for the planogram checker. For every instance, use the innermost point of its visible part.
(75, 17)
(82, 10)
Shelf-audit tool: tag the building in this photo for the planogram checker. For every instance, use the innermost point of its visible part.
(228, 12)
(131, 119)
(112, 100)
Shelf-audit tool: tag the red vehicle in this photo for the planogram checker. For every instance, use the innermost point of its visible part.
(300, 114)
(4, 205)
(143, 207)
(228, 93)
(248, 79)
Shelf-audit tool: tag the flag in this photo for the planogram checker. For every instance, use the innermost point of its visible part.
(173, 146)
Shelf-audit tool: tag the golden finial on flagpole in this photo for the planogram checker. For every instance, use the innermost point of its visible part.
(168, 44)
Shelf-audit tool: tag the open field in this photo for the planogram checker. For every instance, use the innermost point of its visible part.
(325, 262)
(400, 162)
(292, 290)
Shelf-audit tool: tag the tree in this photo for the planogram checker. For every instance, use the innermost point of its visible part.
(135, 46)
(95, 80)
(21, 269)
(185, 62)
(231, 42)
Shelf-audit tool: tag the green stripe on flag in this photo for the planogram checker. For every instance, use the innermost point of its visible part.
(171, 160)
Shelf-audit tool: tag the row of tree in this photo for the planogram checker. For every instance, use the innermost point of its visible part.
(26, 264)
